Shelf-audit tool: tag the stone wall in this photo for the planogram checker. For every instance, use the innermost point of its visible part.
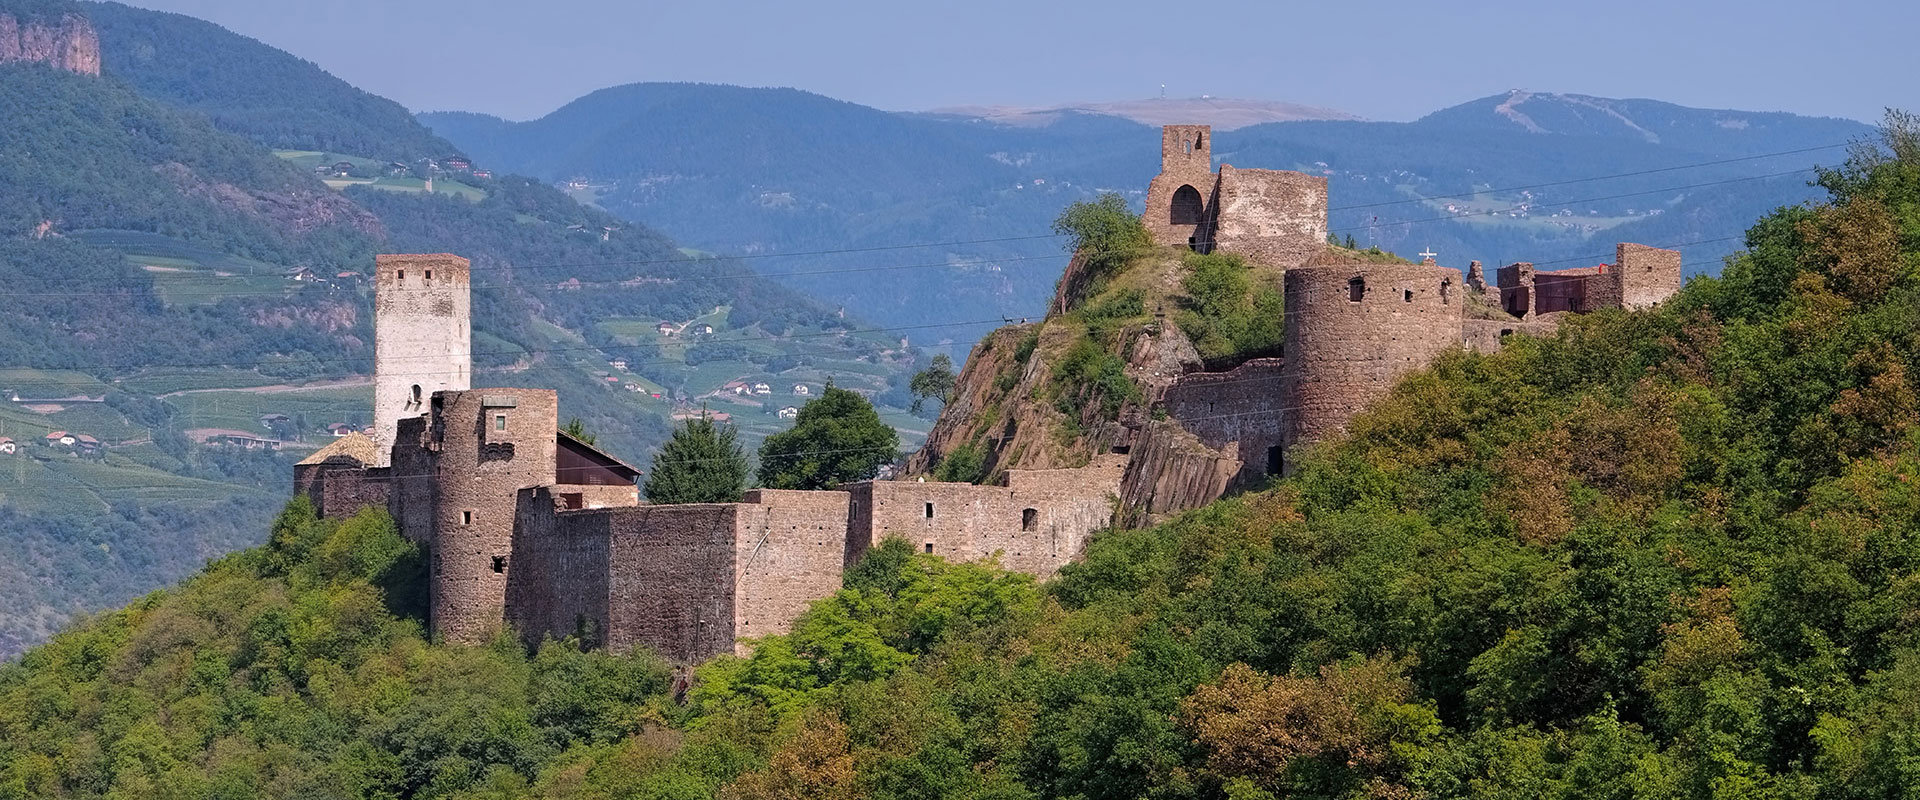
(1186, 171)
(1352, 330)
(671, 579)
(598, 495)
(1647, 275)
(1270, 216)
(789, 550)
(1240, 405)
(422, 337)
(491, 443)
(1489, 335)
(560, 570)
(69, 44)
(340, 489)
(412, 476)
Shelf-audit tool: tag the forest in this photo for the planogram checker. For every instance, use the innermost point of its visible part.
(1662, 554)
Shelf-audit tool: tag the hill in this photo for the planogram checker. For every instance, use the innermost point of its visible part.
(197, 305)
(254, 90)
(1665, 553)
(773, 171)
(1221, 112)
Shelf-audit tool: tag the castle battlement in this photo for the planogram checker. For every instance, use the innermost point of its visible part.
(531, 529)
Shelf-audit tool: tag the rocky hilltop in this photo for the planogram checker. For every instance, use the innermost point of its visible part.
(65, 42)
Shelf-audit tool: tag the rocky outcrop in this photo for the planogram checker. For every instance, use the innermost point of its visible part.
(295, 209)
(68, 42)
(1171, 470)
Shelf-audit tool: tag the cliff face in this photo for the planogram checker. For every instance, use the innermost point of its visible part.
(1005, 399)
(69, 44)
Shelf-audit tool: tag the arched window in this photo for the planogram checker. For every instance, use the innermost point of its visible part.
(1356, 288)
(1188, 208)
(1446, 291)
(1199, 141)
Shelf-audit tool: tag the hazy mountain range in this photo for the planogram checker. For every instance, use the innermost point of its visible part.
(775, 171)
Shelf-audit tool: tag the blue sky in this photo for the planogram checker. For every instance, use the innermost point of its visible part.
(1383, 59)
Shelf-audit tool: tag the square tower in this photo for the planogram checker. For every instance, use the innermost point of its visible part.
(422, 338)
(1180, 200)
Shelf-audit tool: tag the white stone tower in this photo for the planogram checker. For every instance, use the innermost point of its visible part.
(422, 338)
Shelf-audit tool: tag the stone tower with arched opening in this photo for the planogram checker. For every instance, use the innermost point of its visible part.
(422, 337)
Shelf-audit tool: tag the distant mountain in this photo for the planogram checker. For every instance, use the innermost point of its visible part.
(252, 89)
(782, 175)
(1696, 129)
(1222, 113)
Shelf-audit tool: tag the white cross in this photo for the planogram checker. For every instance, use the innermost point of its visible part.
(1428, 254)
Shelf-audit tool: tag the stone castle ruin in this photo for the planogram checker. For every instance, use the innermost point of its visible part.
(532, 529)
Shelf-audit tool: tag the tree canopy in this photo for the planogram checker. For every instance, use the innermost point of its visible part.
(837, 438)
(702, 463)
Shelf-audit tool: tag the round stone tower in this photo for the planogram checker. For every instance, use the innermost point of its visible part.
(422, 338)
(1352, 330)
(488, 445)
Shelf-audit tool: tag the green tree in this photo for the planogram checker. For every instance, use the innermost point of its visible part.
(1105, 235)
(578, 430)
(838, 438)
(933, 383)
(702, 463)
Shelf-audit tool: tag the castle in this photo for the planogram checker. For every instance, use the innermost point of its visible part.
(531, 529)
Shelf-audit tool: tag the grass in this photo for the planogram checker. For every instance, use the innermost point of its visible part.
(440, 186)
(166, 380)
(242, 410)
(32, 383)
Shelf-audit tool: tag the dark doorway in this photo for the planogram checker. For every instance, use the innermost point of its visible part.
(1188, 208)
(1276, 460)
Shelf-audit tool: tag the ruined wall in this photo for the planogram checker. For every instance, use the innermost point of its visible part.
(1343, 353)
(598, 495)
(411, 495)
(69, 43)
(422, 337)
(789, 551)
(1186, 174)
(1058, 510)
(492, 443)
(559, 584)
(1489, 335)
(341, 488)
(1270, 216)
(1037, 523)
(671, 579)
(1647, 275)
(1240, 405)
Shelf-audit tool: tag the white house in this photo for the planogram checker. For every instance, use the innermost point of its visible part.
(665, 328)
(7, 445)
(789, 412)
(761, 388)
(801, 389)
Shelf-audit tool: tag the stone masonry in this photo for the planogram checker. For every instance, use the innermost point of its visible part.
(423, 341)
(531, 530)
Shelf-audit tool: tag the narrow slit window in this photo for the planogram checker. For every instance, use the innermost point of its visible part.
(500, 564)
(499, 422)
(429, 274)
(1446, 292)
(466, 518)
(1406, 295)
(929, 511)
(400, 274)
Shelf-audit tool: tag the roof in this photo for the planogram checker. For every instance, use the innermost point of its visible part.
(355, 445)
(85, 439)
(57, 435)
(563, 439)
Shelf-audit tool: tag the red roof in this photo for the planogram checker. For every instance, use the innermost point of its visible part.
(57, 435)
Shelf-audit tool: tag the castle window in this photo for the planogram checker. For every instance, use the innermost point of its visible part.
(429, 274)
(499, 422)
(416, 394)
(400, 274)
(929, 547)
(929, 511)
(499, 564)
(1030, 519)
(466, 518)
(1504, 333)
(1446, 291)
(1276, 460)
(1187, 207)
(1406, 295)
(1356, 289)
(1199, 141)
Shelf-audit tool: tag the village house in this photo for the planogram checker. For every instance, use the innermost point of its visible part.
(618, 363)
(801, 389)
(704, 329)
(59, 439)
(242, 441)
(339, 429)
(87, 445)
(7, 446)
(789, 412)
(761, 388)
(457, 163)
(665, 328)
